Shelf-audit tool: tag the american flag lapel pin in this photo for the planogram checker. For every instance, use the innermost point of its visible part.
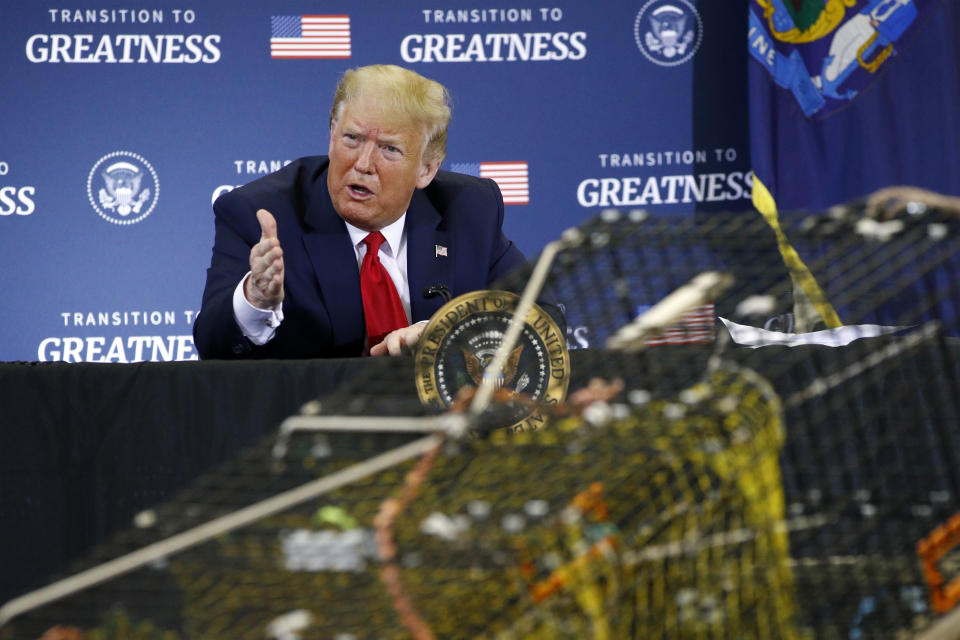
(439, 250)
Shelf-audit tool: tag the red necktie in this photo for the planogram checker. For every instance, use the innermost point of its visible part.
(382, 308)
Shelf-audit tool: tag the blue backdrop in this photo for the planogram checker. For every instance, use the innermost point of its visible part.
(123, 121)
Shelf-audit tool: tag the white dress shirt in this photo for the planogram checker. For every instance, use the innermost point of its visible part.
(260, 325)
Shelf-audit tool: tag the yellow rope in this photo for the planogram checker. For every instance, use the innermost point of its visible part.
(803, 279)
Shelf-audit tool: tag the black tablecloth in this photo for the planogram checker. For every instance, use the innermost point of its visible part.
(83, 447)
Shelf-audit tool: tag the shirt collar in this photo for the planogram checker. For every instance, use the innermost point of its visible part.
(392, 233)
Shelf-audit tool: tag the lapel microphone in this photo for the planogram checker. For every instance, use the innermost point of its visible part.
(437, 290)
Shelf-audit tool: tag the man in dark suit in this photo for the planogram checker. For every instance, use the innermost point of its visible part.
(285, 277)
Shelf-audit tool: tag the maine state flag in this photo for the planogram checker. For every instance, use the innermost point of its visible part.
(847, 97)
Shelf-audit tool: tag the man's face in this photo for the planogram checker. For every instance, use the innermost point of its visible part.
(375, 165)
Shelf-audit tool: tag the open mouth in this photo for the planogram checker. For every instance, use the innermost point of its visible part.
(359, 190)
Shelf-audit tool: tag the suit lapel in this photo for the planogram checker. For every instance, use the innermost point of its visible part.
(426, 265)
(334, 263)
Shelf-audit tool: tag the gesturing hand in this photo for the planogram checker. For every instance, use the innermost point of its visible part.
(400, 341)
(264, 287)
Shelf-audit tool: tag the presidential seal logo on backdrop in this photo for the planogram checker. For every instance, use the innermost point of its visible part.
(460, 341)
(668, 32)
(123, 187)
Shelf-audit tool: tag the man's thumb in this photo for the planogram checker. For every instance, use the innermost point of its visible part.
(268, 225)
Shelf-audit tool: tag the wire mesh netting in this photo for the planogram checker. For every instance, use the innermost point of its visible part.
(695, 488)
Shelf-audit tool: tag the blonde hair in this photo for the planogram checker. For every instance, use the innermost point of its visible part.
(405, 93)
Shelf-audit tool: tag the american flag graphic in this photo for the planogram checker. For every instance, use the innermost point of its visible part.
(310, 36)
(696, 327)
(512, 178)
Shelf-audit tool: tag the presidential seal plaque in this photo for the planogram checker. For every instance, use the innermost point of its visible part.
(460, 341)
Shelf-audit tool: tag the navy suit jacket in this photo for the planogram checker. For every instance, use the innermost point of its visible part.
(323, 312)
